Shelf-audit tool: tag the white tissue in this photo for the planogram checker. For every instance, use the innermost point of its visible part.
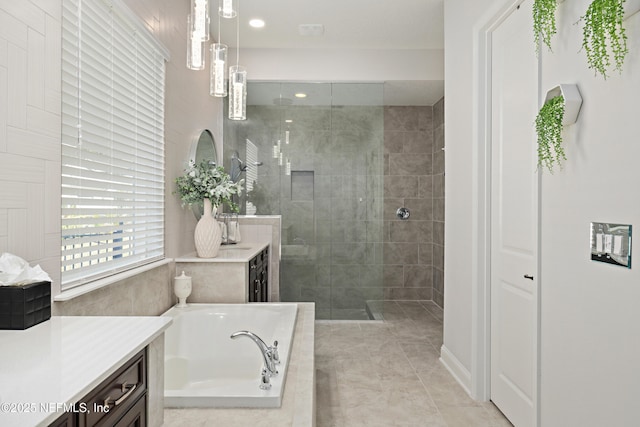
(16, 271)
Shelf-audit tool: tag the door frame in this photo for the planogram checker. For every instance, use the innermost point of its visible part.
(480, 386)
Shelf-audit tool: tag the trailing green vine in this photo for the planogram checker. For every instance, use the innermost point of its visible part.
(604, 35)
(549, 130)
(544, 22)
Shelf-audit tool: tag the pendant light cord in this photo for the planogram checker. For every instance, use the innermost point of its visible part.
(238, 35)
(219, 7)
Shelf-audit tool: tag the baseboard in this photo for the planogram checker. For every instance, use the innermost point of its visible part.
(457, 369)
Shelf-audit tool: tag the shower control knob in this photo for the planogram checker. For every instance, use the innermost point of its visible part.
(403, 213)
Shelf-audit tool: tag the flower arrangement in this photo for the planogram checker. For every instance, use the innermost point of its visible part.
(204, 181)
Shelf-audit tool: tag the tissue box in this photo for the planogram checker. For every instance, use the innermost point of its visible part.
(21, 307)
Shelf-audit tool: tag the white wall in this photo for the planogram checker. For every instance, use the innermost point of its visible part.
(30, 125)
(590, 316)
(589, 320)
(343, 64)
(460, 18)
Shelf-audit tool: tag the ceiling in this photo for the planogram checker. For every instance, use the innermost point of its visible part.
(347, 24)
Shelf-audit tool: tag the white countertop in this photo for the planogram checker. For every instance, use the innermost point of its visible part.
(241, 252)
(59, 361)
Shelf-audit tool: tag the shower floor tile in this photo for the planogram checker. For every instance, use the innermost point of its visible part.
(388, 373)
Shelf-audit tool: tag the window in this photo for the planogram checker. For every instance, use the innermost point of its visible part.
(113, 73)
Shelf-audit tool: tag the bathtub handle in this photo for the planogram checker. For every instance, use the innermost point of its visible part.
(274, 353)
(265, 381)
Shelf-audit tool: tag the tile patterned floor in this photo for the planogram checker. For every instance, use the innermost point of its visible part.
(378, 374)
(389, 374)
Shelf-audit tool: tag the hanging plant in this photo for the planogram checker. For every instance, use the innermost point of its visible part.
(549, 130)
(604, 36)
(544, 22)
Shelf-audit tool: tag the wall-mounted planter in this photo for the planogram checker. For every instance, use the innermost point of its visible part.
(572, 101)
(560, 108)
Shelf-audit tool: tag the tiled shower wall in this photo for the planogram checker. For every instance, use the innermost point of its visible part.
(414, 178)
(331, 204)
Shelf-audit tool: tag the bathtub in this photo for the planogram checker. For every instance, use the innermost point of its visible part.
(204, 367)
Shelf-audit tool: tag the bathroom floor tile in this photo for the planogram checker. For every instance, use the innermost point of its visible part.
(389, 373)
(378, 373)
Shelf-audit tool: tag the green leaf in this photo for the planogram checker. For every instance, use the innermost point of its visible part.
(549, 129)
(604, 36)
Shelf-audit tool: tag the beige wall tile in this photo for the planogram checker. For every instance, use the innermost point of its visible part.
(12, 29)
(17, 86)
(4, 106)
(35, 65)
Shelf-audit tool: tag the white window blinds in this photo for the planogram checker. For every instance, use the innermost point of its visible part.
(113, 73)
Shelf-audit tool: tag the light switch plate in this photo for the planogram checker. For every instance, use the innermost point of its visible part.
(611, 243)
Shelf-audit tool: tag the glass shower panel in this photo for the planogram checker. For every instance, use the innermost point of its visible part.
(321, 149)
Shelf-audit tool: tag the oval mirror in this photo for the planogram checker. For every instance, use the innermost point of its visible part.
(203, 148)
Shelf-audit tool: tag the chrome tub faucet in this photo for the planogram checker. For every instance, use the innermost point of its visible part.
(269, 355)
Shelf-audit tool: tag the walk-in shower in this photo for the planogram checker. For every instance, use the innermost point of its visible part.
(320, 146)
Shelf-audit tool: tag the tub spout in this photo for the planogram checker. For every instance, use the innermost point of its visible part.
(268, 353)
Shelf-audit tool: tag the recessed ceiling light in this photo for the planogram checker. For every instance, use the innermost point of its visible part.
(288, 121)
(256, 23)
(300, 95)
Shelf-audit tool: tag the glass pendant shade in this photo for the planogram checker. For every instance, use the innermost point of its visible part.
(286, 137)
(195, 51)
(228, 8)
(276, 150)
(218, 76)
(287, 167)
(280, 160)
(237, 93)
(200, 20)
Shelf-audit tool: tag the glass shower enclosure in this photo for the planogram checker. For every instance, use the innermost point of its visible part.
(314, 155)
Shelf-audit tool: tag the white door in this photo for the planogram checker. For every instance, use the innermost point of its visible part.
(514, 218)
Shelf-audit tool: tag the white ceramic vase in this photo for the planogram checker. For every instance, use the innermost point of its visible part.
(208, 235)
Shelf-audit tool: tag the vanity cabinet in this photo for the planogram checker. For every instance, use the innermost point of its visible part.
(259, 277)
(68, 419)
(120, 400)
(239, 274)
(69, 363)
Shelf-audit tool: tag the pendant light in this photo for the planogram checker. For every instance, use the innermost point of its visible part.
(198, 32)
(237, 82)
(276, 150)
(218, 78)
(195, 49)
(228, 8)
(200, 20)
(218, 66)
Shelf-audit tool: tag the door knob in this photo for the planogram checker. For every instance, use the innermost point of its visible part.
(526, 276)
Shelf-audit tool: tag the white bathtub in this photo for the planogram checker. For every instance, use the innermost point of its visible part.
(204, 367)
